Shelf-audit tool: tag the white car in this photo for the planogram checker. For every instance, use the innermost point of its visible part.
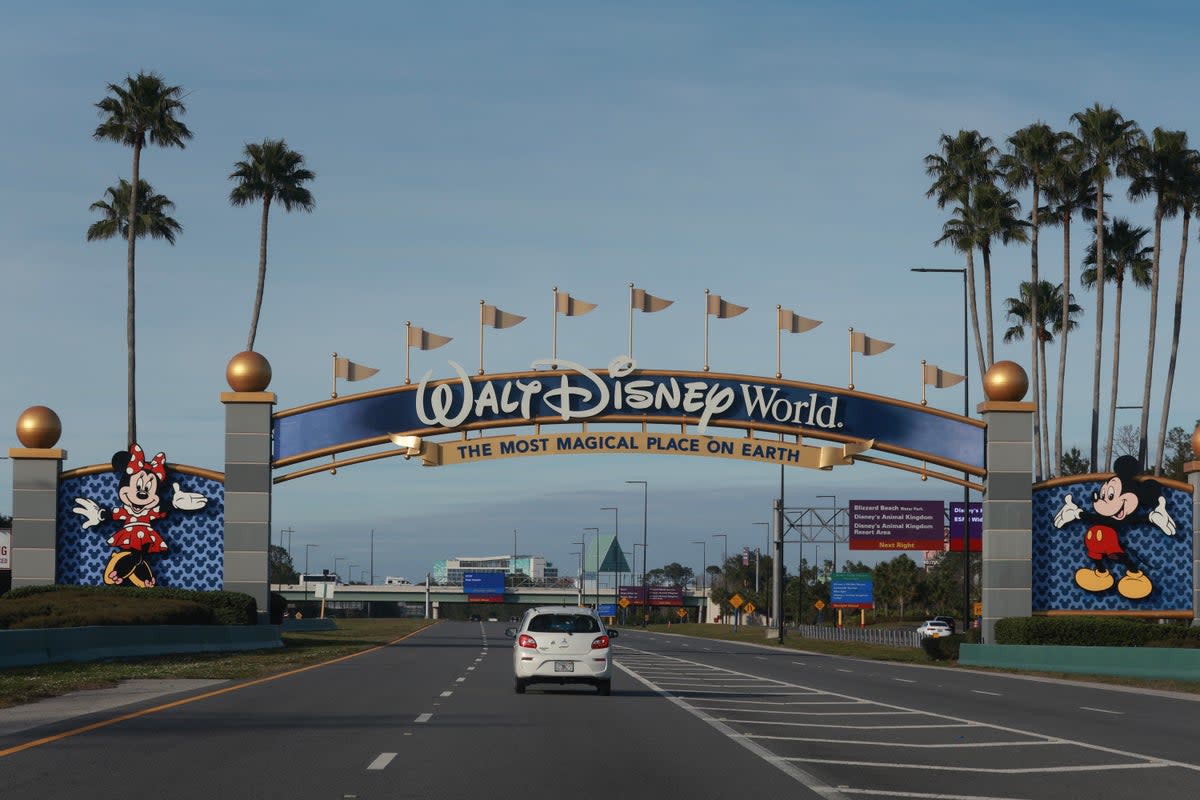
(934, 628)
(562, 644)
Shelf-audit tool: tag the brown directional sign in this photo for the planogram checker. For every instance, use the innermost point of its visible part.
(749, 608)
(819, 605)
(623, 602)
(736, 601)
(681, 613)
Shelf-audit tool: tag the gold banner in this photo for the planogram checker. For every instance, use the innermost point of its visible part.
(469, 451)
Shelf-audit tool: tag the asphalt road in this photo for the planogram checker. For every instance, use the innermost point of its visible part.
(435, 716)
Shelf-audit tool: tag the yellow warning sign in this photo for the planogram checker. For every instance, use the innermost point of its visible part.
(681, 613)
(736, 601)
(820, 604)
(623, 602)
(749, 608)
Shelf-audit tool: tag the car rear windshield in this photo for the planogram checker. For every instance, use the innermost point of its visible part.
(564, 623)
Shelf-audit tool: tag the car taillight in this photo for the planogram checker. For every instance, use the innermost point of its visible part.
(526, 641)
(600, 643)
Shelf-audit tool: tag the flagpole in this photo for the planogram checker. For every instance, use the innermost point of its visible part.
(851, 358)
(923, 382)
(480, 337)
(706, 293)
(334, 395)
(408, 351)
(778, 344)
(631, 320)
(554, 333)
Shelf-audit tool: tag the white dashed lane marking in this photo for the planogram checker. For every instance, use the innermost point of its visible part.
(1102, 710)
(990, 694)
(446, 694)
(423, 718)
(381, 761)
(903, 680)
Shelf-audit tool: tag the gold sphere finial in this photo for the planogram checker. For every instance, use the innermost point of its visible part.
(248, 371)
(38, 427)
(1005, 381)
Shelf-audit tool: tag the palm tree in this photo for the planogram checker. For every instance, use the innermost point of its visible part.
(998, 216)
(1125, 255)
(1187, 190)
(964, 162)
(1107, 141)
(1032, 151)
(270, 172)
(143, 109)
(152, 219)
(1068, 191)
(1158, 164)
(1020, 311)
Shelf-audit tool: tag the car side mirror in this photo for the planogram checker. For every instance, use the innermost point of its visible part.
(613, 633)
(510, 633)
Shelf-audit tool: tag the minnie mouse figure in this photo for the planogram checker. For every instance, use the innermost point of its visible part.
(140, 492)
(1115, 504)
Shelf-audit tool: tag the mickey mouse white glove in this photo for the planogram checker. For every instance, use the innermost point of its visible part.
(88, 509)
(1161, 519)
(188, 501)
(1068, 513)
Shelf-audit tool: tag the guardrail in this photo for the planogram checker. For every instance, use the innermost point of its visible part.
(892, 637)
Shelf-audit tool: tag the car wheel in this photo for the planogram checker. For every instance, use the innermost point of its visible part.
(519, 686)
(604, 688)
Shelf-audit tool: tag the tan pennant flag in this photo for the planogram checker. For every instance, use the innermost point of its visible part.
(644, 301)
(496, 318)
(424, 340)
(723, 309)
(347, 370)
(794, 323)
(940, 378)
(861, 343)
(570, 306)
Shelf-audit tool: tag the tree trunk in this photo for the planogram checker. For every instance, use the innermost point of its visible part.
(1039, 429)
(262, 271)
(1116, 370)
(974, 312)
(1062, 342)
(1095, 441)
(130, 309)
(986, 249)
(1162, 422)
(1145, 423)
(1042, 403)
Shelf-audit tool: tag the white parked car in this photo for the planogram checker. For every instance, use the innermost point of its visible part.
(934, 628)
(562, 644)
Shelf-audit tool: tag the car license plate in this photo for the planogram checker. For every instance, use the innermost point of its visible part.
(564, 666)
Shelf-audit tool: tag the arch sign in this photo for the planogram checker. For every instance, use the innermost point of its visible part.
(685, 409)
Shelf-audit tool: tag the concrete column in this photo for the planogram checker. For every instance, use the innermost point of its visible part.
(248, 494)
(1192, 470)
(1007, 513)
(35, 477)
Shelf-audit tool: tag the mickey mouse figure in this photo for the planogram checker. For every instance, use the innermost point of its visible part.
(1114, 506)
(141, 493)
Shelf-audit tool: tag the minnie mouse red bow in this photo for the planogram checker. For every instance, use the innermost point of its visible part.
(137, 463)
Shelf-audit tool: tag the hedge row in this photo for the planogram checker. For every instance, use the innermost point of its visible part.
(1095, 632)
(125, 605)
(945, 648)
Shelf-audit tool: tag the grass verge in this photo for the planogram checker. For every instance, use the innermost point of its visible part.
(300, 649)
(906, 655)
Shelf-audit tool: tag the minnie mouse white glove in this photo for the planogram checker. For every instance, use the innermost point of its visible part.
(90, 511)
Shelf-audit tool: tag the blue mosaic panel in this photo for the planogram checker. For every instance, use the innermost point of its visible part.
(195, 539)
(1058, 553)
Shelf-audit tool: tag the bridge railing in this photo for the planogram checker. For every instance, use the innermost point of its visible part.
(891, 637)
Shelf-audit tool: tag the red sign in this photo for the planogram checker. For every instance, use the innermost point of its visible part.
(485, 598)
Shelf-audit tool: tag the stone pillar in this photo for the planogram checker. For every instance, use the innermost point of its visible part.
(248, 478)
(36, 470)
(1007, 497)
(1192, 470)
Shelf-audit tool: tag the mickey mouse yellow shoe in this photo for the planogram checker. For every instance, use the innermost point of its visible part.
(1135, 585)
(1094, 580)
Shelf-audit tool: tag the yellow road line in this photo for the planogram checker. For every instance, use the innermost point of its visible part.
(145, 711)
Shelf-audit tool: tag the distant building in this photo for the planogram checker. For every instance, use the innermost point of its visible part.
(391, 580)
(450, 571)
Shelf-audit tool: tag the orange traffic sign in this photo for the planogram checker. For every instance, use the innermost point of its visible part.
(749, 608)
(736, 601)
(819, 605)
(623, 602)
(682, 612)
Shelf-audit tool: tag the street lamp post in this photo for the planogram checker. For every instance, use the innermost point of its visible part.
(645, 512)
(768, 532)
(596, 531)
(350, 571)
(724, 562)
(966, 477)
(703, 572)
(335, 566)
(832, 497)
(579, 583)
(616, 538)
(307, 547)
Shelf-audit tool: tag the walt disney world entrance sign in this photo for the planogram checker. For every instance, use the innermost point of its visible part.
(663, 403)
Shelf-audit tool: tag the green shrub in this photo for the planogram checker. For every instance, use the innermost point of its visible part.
(945, 648)
(226, 608)
(71, 609)
(1084, 631)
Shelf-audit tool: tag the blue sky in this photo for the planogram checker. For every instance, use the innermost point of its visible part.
(769, 151)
